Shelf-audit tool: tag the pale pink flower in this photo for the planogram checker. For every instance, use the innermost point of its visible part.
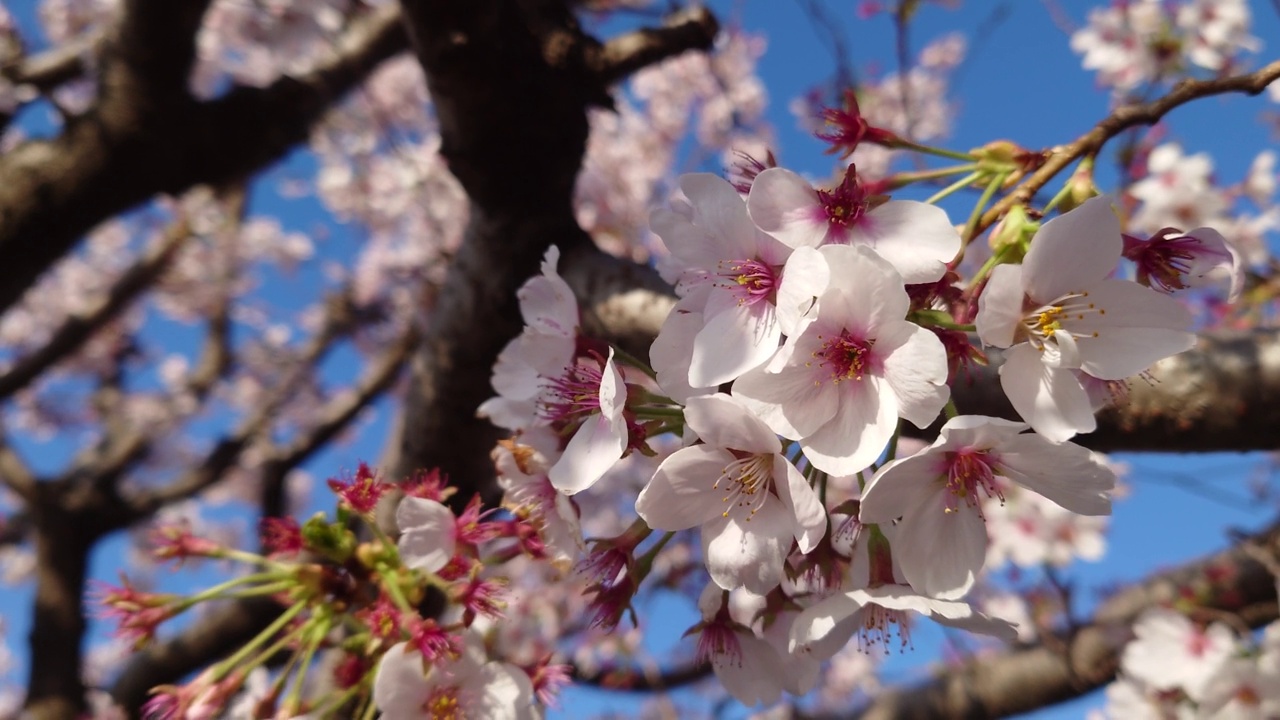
(1260, 182)
(873, 615)
(1216, 32)
(469, 686)
(1060, 313)
(747, 497)
(941, 540)
(594, 395)
(1129, 699)
(1173, 260)
(1170, 651)
(750, 300)
(522, 465)
(1178, 191)
(857, 365)
(1243, 688)
(1030, 531)
(917, 239)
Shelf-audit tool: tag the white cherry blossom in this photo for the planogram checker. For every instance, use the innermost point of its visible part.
(428, 533)
(1170, 651)
(468, 686)
(941, 541)
(857, 365)
(1061, 313)
(747, 497)
(916, 238)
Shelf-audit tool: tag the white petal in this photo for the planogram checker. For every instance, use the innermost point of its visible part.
(595, 447)
(917, 239)
(1000, 306)
(722, 214)
(824, 629)
(786, 206)
(1073, 252)
(749, 553)
(1051, 400)
(1140, 327)
(864, 291)
(671, 353)
(899, 486)
(804, 280)
(915, 366)
(547, 304)
(858, 432)
(733, 341)
(682, 492)
(941, 553)
(1064, 473)
(791, 401)
(802, 502)
(977, 431)
(428, 533)
(722, 421)
(400, 688)
(753, 677)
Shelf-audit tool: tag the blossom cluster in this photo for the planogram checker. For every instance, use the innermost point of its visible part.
(814, 325)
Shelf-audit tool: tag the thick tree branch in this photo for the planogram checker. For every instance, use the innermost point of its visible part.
(131, 147)
(522, 71)
(633, 679)
(694, 28)
(1023, 679)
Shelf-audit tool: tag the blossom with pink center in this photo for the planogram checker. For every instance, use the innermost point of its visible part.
(941, 540)
(1173, 260)
(747, 497)
(592, 397)
(1243, 688)
(522, 464)
(840, 384)
(753, 669)
(469, 686)
(1059, 313)
(1170, 651)
(750, 300)
(875, 615)
(916, 238)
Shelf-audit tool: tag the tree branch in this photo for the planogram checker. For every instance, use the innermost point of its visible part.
(77, 329)
(130, 147)
(691, 29)
(1122, 119)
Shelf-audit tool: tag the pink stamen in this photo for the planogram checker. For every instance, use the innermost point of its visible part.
(846, 356)
(750, 280)
(968, 472)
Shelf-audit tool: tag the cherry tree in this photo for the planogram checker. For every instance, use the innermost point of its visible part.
(610, 347)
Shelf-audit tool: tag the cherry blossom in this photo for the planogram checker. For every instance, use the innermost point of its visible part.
(873, 614)
(1171, 651)
(917, 239)
(857, 365)
(428, 533)
(1178, 191)
(750, 300)
(747, 497)
(469, 686)
(1060, 313)
(941, 540)
(1173, 260)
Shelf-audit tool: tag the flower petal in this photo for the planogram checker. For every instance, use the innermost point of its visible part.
(1000, 306)
(915, 366)
(682, 494)
(899, 486)
(802, 502)
(941, 553)
(790, 402)
(723, 421)
(1073, 251)
(1065, 473)
(858, 432)
(786, 206)
(734, 340)
(1051, 400)
(749, 552)
(917, 239)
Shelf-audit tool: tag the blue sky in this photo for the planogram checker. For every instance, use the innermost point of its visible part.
(1020, 82)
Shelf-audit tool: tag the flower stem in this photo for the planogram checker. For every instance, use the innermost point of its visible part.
(954, 187)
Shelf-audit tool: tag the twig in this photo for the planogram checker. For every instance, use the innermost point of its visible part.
(1120, 120)
(691, 29)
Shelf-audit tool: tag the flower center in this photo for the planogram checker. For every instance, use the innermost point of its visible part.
(747, 481)
(846, 356)
(970, 472)
(573, 395)
(443, 704)
(751, 281)
(844, 205)
(1049, 323)
(719, 642)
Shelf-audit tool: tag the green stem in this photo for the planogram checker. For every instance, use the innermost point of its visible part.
(954, 187)
(252, 646)
(906, 178)
(971, 227)
(904, 144)
(950, 409)
(659, 413)
(893, 442)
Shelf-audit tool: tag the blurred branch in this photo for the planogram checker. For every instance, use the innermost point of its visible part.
(1122, 119)
(52, 67)
(77, 329)
(1062, 667)
(14, 472)
(140, 140)
(644, 680)
(691, 29)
